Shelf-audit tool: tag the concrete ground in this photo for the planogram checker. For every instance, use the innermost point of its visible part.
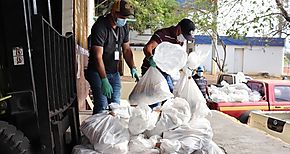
(237, 138)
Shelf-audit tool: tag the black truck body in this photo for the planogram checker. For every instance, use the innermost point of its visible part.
(38, 99)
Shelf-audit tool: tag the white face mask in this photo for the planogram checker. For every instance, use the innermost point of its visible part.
(200, 74)
(181, 38)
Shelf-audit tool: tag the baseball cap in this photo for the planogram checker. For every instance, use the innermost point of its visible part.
(124, 8)
(187, 29)
(199, 69)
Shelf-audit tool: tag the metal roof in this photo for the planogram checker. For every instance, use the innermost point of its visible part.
(248, 41)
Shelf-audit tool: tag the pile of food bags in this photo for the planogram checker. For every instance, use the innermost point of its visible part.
(239, 92)
(179, 126)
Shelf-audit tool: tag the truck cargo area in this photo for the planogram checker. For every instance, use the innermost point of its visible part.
(235, 137)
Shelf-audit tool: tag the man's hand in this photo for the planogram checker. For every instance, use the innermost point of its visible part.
(107, 88)
(151, 61)
(134, 73)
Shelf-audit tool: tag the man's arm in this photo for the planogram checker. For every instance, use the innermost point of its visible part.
(148, 49)
(128, 55)
(206, 89)
(98, 54)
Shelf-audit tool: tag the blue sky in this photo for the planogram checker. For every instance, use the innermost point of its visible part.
(180, 1)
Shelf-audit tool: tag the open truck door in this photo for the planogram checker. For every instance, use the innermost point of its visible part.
(39, 108)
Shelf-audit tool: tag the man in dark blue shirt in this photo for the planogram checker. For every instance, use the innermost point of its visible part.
(201, 82)
(109, 41)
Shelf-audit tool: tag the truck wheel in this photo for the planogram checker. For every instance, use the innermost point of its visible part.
(12, 141)
(245, 117)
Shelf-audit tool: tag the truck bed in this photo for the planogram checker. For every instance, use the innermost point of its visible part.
(235, 137)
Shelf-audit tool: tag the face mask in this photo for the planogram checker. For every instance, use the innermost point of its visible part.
(181, 38)
(200, 74)
(121, 22)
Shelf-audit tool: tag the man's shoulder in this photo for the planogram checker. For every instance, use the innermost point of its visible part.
(125, 28)
(165, 30)
(101, 22)
(195, 76)
(166, 34)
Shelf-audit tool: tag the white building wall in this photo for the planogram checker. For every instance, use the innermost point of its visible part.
(257, 59)
(230, 61)
(267, 59)
(207, 62)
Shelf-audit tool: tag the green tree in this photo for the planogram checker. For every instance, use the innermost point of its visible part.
(262, 18)
(210, 18)
(150, 14)
(155, 14)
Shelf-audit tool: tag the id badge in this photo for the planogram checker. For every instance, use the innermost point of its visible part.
(117, 55)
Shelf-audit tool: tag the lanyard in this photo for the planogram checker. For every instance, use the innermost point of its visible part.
(116, 37)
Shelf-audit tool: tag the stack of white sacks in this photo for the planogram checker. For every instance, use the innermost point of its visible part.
(178, 127)
(239, 92)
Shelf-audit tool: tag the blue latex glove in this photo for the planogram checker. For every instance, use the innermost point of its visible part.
(151, 61)
(107, 88)
(134, 73)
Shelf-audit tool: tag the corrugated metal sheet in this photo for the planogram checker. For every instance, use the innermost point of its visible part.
(252, 41)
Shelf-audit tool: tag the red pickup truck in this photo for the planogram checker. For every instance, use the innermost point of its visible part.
(275, 96)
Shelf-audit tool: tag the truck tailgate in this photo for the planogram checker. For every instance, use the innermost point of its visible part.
(276, 123)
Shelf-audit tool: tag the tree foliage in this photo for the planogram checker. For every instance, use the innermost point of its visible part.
(262, 18)
(155, 14)
(238, 19)
(233, 18)
(204, 13)
(150, 14)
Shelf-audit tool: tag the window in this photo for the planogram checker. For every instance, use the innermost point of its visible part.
(228, 78)
(282, 93)
(255, 86)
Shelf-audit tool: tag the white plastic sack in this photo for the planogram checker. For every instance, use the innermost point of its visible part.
(122, 110)
(170, 146)
(212, 148)
(186, 88)
(170, 58)
(220, 97)
(240, 96)
(194, 136)
(142, 118)
(106, 133)
(84, 149)
(150, 89)
(197, 57)
(241, 86)
(138, 144)
(241, 77)
(174, 112)
(224, 83)
(254, 96)
(239, 92)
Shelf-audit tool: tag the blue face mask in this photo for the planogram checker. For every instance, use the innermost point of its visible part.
(121, 22)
